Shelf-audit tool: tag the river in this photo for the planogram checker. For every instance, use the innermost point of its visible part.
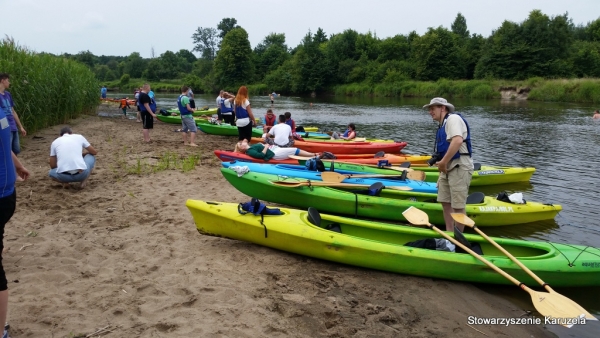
(561, 140)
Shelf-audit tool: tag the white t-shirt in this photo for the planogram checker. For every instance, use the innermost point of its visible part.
(243, 122)
(282, 133)
(190, 94)
(67, 150)
(219, 99)
(455, 126)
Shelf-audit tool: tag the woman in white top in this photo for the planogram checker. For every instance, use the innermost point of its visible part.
(243, 113)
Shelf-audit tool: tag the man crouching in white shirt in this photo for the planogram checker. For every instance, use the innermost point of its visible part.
(67, 162)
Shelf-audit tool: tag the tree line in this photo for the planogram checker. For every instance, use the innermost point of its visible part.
(540, 46)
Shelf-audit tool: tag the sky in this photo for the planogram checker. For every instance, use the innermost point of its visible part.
(113, 27)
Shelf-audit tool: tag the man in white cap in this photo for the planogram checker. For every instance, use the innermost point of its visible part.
(453, 150)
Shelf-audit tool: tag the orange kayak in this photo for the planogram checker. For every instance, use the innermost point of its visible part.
(339, 148)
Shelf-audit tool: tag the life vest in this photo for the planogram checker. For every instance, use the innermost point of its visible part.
(442, 145)
(347, 132)
(291, 123)
(224, 109)
(152, 104)
(270, 121)
(182, 109)
(241, 113)
(123, 103)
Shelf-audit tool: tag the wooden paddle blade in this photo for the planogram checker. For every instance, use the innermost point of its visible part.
(399, 187)
(328, 176)
(415, 175)
(588, 316)
(551, 305)
(416, 216)
(463, 219)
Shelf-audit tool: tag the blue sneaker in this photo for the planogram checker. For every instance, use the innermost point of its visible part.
(5, 334)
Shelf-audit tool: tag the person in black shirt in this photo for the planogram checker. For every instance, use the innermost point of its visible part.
(146, 111)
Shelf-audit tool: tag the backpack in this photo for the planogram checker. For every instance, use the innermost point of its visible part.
(256, 207)
(315, 164)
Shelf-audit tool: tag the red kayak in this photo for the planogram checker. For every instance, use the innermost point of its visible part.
(227, 156)
(346, 147)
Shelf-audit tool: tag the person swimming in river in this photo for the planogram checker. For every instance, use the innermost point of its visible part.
(596, 115)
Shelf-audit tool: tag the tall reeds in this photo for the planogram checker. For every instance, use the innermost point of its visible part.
(47, 89)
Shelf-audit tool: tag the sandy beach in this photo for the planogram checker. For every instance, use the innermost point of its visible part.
(123, 255)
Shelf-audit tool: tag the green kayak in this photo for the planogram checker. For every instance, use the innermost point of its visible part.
(226, 129)
(210, 111)
(486, 175)
(485, 210)
(381, 246)
(177, 119)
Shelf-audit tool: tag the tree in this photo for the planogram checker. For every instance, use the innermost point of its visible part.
(314, 70)
(134, 65)
(186, 55)
(86, 58)
(205, 42)
(459, 26)
(124, 81)
(436, 55)
(225, 26)
(271, 53)
(233, 65)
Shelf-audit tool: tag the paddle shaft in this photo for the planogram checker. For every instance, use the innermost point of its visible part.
(483, 260)
(332, 184)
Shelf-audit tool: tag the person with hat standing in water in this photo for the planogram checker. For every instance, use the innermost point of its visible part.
(452, 156)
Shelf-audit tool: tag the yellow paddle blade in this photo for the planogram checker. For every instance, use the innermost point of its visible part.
(463, 219)
(416, 216)
(554, 306)
(555, 298)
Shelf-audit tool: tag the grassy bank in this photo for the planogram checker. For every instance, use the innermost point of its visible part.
(163, 86)
(565, 90)
(47, 89)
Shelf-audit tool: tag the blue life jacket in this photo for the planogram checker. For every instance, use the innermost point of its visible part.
(442, 145)
(347, 132)
(240, 113)
(182, 109)
(225, 110)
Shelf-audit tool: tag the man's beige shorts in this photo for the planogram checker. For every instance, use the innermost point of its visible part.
(453, 187)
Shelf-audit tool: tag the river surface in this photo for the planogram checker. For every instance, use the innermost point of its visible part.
(561, 140)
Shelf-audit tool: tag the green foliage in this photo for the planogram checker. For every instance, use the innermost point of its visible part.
(271, 53)
(233, 65)
(459, 26)
(124, 81)
(47, 89)
(205, 42)
(437, 54)
(226, 25)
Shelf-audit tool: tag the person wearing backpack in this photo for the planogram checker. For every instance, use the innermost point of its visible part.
(452, 156)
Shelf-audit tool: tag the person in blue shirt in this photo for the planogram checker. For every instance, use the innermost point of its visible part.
(10, 169)
(103, 92)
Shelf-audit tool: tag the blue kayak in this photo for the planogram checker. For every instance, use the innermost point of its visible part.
(300, 171)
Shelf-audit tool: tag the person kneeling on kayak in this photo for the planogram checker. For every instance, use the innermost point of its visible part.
(267, 152)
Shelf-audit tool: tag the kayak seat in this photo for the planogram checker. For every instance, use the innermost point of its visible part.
(334, 227)
(404, 165)
(476, 166)
(476, 198)
(314, 217)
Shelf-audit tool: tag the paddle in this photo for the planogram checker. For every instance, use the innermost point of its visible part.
(464, 219)
(331, 184)
(547, 304)
(328, 176)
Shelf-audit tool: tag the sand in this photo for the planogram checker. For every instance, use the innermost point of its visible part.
(124, 255)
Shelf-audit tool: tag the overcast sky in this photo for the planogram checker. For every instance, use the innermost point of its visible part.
(120, 27)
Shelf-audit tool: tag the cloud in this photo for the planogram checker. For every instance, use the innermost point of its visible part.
(88, 21)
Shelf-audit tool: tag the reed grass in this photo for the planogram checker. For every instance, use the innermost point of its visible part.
(564, 90)
(47, 89)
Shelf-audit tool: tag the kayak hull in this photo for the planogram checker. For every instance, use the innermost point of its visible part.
(389, 205)
(287, 170)
(380, 246)
(488, 175)
(227, 156)
(347, 147)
